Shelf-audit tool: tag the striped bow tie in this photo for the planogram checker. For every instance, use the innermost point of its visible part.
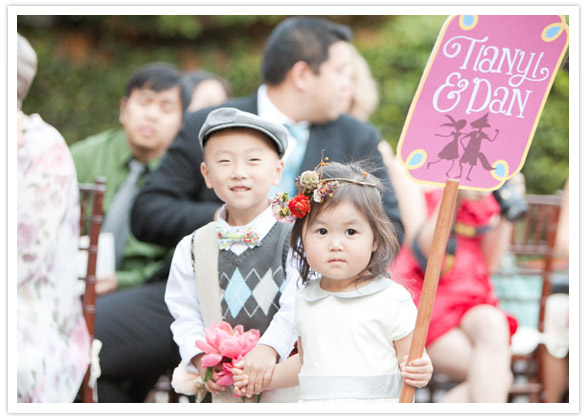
(226, 238)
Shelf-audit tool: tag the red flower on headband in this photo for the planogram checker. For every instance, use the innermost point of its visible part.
(299, 205)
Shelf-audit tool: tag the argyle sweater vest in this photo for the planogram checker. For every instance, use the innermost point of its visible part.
(252, 283)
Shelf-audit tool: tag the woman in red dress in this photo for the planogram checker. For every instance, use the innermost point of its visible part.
(469, 336)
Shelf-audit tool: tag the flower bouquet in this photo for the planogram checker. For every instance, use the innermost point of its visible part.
(224, 346)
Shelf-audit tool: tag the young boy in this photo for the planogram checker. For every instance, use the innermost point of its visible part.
(248, 269)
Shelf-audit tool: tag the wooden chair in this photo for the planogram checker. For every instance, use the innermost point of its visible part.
(95, 193)
(532, 243)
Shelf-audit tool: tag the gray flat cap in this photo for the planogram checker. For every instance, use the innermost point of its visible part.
(229, 117)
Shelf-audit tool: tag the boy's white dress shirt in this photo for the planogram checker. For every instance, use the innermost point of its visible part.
(182, 299)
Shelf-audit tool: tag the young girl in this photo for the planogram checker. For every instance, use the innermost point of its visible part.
(353, 322)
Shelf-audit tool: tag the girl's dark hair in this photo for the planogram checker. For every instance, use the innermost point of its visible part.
(367, 200)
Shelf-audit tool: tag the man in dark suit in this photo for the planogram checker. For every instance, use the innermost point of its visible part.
(306, 73)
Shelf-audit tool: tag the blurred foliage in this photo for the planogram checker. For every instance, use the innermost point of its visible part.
(84, 63)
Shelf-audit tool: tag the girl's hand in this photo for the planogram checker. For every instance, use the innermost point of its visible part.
(418, 372)
(259, 363)
(241, 380)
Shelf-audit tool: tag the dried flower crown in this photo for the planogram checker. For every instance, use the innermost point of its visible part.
(312, 184)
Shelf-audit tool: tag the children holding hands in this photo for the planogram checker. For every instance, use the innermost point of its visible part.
(353, 323)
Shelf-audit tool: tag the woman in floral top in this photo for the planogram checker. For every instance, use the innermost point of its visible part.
(52, 338)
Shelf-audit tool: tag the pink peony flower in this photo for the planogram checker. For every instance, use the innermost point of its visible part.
(224, 377)
(211, 360)
(223, 345)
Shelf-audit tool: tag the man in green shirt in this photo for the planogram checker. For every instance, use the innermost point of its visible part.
(108, 154)
(151, 114)
(150, 121)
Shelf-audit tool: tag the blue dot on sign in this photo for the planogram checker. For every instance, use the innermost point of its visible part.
(552, 32)
(468, 20)
(500, 170)
(415, 159)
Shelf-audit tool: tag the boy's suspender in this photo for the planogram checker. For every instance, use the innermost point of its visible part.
(205, 252)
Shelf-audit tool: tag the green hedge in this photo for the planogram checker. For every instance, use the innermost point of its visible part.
(84, 62)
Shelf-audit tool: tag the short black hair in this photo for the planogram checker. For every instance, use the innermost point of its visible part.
(299, 39)
(158, 77)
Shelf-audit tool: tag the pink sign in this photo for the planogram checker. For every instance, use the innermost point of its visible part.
(480, 98)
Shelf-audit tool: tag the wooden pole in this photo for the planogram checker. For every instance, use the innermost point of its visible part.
(433, 269)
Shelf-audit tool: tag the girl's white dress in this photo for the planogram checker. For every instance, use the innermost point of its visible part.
(347, 341)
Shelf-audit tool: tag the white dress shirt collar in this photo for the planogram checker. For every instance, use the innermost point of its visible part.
(267, 110)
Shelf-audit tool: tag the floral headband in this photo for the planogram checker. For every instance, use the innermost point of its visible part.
(311, 183)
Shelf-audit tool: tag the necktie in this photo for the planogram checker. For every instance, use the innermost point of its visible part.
(228, 237)
(117, 219)
(292, 160)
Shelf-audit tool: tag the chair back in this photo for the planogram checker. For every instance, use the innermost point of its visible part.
(532, 243)
(94, 193)
(533, 240)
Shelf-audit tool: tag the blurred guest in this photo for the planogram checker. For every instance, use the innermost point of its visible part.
(150, 114)
(555, 361)
(362, 95)
(131, 320)
(53, 345)
(469, 336)
(205, 89)
(361, 100)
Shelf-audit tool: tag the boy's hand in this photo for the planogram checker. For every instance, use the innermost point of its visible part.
(259, 363)
(210, 385)
(418, 372)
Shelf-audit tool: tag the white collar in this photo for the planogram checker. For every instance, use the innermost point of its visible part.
(313, 291)
(261, 225)
(267, 110)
